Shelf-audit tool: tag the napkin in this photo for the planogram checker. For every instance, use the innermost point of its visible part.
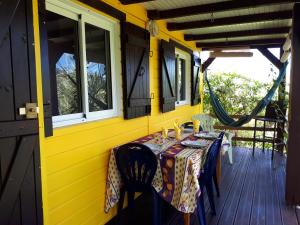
(178, 130)
(196, 126)
(165, 132)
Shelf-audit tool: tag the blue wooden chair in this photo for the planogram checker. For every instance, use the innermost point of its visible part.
(207, 177)
(207, 123)
(137, 165)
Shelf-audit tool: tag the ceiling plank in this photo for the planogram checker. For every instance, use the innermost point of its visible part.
(128, 2)
(242, 33)
(211, 8)
(248, 43)
(260, 17)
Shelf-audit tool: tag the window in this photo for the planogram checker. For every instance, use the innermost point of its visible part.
(83, 46)
(182, 77)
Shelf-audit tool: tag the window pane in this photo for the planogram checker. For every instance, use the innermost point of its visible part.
(180, 79)
(98, 68)
(64, 64)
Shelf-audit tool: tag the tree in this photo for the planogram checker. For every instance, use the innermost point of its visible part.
(69, 86)
(238, 94)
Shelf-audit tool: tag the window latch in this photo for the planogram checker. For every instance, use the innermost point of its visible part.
(30, 110)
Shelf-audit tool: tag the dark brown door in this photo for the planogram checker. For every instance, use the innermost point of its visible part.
(20, 182)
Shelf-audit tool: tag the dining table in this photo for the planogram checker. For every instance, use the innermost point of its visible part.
(178, 170)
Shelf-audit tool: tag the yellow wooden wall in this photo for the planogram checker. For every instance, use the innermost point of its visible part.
(75, 160)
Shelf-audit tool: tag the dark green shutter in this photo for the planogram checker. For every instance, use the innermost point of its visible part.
(167, 76)
(136, 86)
(195, 92)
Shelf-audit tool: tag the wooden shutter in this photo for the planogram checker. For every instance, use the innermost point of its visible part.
(195, 92)
(20, 181)
(48, 126)
(136, 88)
(167, 76)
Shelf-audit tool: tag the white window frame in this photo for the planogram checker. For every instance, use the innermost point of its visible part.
(74, 11)
(187, 57)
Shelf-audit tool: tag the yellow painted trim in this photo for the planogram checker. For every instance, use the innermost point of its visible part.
(41, 112)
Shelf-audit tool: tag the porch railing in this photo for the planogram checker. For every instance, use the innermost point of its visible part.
(249, 138)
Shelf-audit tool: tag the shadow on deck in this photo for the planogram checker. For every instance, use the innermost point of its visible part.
(252, 192)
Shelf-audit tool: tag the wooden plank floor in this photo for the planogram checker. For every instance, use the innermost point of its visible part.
(252, 193)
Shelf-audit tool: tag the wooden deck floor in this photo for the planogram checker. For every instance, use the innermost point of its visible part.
(252, 193)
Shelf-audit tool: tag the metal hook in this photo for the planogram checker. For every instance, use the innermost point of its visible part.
(152, 95)
(142, 71)
(212, 17)
(151, 53)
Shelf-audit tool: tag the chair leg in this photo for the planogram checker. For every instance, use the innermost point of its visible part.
(156, 208)
(130, 196)
(209, 190)
(229, 152)
(201, 210)
(216, 184)
(120, 205)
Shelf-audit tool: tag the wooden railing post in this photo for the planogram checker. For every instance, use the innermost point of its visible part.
(282, 107)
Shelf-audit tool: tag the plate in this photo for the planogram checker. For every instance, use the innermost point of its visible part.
(210, 135)
(188, 130)
(194, 144)
(156, 148)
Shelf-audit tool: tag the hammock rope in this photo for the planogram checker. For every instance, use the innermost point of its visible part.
(225, 118)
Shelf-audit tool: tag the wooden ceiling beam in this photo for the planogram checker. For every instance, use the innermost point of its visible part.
(128, 2)
(241, 47)
(206, 64)
(260, 17)
(242, 33)
(211, 8)
(272, 58)
(232, 54)
(247, 43)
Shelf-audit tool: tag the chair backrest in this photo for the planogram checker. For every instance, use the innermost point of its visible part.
(189, 125)
(206, 121)
(137, 165)
(211, 159)
(271, 110)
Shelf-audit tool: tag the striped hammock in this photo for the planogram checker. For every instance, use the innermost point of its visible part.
(225, 118)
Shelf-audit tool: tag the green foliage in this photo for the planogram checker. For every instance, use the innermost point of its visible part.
(98, 98)
(238, 94)
(67, 92)
(69, 86)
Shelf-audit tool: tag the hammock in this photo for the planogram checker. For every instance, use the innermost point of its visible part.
(223, 116)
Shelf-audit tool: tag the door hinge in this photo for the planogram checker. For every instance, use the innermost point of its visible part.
(31, 111)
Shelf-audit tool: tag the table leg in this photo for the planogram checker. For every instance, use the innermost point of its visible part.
(219, 169)
(186, 218)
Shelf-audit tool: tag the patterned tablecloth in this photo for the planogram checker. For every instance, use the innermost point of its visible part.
(176, 178)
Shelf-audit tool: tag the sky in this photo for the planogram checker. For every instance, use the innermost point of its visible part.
(257, 67)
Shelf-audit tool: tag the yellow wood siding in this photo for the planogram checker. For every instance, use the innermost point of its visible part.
(75, 160)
